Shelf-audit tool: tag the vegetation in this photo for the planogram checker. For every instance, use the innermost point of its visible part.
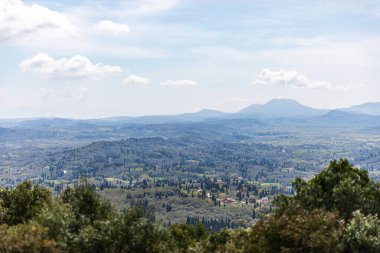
(223, 173)
(317, 218)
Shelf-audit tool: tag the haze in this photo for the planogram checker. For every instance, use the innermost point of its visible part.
(91, 59)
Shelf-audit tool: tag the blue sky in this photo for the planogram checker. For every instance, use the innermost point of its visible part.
(87, 59)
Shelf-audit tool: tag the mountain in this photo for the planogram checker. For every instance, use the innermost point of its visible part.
(339, 117)
(52, 122)
(273, 110)
(372, 108)
(159, 119)
(202, 115)
(281, 108)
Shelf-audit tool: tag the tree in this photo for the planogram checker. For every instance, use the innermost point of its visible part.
(86, 203)
(296, 230)
(339, 187)
(136, 234)
(184, 236)
(218, 240)
(59, 220)
(362, 234)
(23, 203)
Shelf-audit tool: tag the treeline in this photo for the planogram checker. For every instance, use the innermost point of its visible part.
(336, 211)
(212, 224)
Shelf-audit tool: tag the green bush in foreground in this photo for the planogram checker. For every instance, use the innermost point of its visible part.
(336, 211)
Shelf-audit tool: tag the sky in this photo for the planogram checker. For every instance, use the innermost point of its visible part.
(103, 58)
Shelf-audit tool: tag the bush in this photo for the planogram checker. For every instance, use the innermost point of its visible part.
(26, 238)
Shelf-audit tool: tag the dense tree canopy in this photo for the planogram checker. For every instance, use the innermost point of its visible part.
(339, 187)
(335, 211)
(23, 203)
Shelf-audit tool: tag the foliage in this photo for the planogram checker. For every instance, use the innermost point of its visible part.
(23, 203)
(185, 236)
(228, 241)
(296, 230)
(362, 233)
(98, 227)
(137, 234)
(26, 238)
(339, 187)
(336, 211)
(86, 203)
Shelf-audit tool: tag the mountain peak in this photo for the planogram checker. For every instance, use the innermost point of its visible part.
(204, 113)
(282, 108)
(282, 101)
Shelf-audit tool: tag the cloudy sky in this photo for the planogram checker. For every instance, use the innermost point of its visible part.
(99, 58)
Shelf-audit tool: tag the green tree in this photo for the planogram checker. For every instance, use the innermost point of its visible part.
(184, 236)
(137, 234)
(339, 187)
(362, 234)
(81, 221)
(23, 203)
(296, 230)
(87, 204)
(59, 219)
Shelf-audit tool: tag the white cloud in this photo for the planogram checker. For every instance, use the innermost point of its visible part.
(148, 7)
(293, 79)
(299, 41)
(185, 82)
(18, 20)
(74, 67)
(66, 93)
(112, 27)
(137, 80)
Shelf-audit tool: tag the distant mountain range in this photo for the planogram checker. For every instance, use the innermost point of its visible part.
(367, 108)
(348, 117)
(274, 109)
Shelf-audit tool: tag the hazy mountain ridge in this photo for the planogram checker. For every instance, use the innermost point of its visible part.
(276, 108)
(282, 108)
(371, 108)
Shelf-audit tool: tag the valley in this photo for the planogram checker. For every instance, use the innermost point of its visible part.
(223, 170)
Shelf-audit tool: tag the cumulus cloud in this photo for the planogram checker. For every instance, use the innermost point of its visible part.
(74, 67)
(294, 79)
(184, 82)
(136, 80)
(18, 20)
(112, 27)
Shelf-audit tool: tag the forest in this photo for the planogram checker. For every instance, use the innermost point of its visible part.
(222, 173)
(335, 211)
